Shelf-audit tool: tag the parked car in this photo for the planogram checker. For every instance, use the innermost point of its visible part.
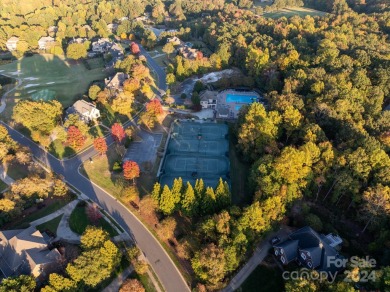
(274, 240)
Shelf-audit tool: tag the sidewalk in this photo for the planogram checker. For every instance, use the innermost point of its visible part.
(4, 177)
(63, 230)
(118, 281)
(54, 214)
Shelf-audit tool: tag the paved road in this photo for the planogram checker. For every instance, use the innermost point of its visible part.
(167, 272)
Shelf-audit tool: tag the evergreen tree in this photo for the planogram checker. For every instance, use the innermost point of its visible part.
(156, 192)
(222, 194)
(167, 201)
(189, 204)
(177, 189)
(209, 201)
(199, 189)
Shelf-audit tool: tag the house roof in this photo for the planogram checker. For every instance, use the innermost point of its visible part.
(22, 250)
(316, 255)
(46, 39)
(81, 107)
(208, 94)
(117, 80)
(289, 248)
(13, 39)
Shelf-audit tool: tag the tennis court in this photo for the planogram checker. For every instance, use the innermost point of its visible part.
(196, 150)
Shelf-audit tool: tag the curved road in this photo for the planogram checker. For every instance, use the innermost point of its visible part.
(167, 272)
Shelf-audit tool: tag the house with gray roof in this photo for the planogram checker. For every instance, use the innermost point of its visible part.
(116, 82)
(86, 110)
(309, 249)
(26, 251)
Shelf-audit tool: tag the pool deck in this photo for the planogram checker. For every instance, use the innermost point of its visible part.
(230, 110)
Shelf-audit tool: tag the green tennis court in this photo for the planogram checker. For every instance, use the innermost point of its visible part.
(196, 150)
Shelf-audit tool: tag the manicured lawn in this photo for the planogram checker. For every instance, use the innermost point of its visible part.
(291, 11)
(59, 150)
(51, 225)
(67, 79)
(79, 221)
(3, 186)
(17, 171)
(263, 279)
(41, 213)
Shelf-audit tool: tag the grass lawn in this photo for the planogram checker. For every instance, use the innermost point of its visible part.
(51, 225)
(291, 11)
(263, 279)
(60, 150)
(3, 186)
(53, 73)
(24, 222)
(239, 173)
(79, 221)
(145, 280)
(17, 171)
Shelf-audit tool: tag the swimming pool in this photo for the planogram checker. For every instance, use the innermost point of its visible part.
(240, 98)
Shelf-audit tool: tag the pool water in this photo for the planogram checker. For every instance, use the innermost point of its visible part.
(240, 98)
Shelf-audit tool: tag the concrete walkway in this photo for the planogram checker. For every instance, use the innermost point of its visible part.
(63, 230)
(256, 259)
(4, 176)
(118, 281)
(54, 214)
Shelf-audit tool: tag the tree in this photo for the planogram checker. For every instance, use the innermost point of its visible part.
(93, 214)
(76, 51)
(168, 48)
(74, 120)
(75, 138)
(100, 145)
(140, 267)
(154, 107)
(37, 116)
(156, 192)
(93, 91)
(59, 283)
(132, 285)
(208, 201)
(166, 229)
(21, 283)
(167, 201)
(376, 204)
(130, 170)
(117, 133)
(177, 189)
(93, 237)
(60, 188)
(222, 194)
(209, 265)
(134, 48)
(189, 202)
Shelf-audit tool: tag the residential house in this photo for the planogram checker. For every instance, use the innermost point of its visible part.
(26, 251)
(309, 249)
(116, 82)
(87, 111)
(12, 43)
(208, 99)
(175, 41)
(101, 46)
(188, 53)
(77, 40)
(52, 29)
(112, 27)
(45, 42)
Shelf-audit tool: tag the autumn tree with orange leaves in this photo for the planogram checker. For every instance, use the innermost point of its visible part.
(130, 170)
(100, 145)
(117, 132)
(75, 138)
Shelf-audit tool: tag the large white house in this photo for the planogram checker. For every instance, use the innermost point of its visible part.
(44, 42)
(87, 111)
(12, 43)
